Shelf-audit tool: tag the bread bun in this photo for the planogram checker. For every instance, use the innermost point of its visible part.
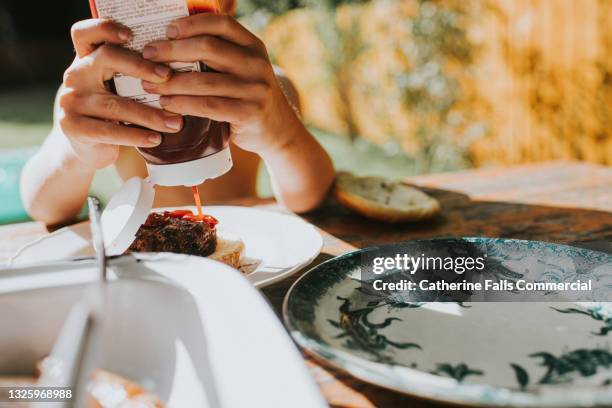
(384, 200)
(229, 249)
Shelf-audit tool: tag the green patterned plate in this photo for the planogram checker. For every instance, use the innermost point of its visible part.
(485, 354)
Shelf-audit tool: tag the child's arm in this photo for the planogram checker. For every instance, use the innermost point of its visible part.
(87, 132)
(301, 169)
(54, 182)
(245, 92)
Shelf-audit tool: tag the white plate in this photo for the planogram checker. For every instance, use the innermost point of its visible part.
(173, 341)
(276, 244)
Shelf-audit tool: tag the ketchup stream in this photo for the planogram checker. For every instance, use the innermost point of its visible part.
(196, 197)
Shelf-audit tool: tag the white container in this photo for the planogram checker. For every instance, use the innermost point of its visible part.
(177, 325)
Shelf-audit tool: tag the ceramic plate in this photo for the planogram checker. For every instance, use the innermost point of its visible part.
(276, 244)
(190, 337)
(486, 354)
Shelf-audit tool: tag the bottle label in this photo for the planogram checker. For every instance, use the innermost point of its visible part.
(148, 21)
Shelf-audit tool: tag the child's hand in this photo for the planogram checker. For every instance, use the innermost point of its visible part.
(243, 91)
(90, 115)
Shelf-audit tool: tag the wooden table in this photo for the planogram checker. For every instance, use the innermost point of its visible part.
(556, 202)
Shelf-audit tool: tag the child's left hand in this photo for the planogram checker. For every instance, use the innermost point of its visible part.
(243, 91)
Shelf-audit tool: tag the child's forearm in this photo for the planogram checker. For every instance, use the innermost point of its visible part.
(301, 170)
(54, 182)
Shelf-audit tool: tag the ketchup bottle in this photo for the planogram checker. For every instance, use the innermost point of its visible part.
(201, 149)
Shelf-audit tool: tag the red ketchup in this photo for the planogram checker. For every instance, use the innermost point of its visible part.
(155, 218)
(190, 216)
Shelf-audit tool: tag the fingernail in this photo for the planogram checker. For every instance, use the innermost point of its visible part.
(162, 70)
(174, 122)
(155, 139)
(124, 35)
(172, 31)
(149, 52)
(148, 86)
(164, 100)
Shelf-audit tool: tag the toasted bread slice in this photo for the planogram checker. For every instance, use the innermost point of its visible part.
(384, 200)
(229, 249)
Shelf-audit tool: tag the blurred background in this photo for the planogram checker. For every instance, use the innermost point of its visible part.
(390, 87)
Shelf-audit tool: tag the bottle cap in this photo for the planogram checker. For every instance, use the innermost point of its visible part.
(191, 173)
(125, 213)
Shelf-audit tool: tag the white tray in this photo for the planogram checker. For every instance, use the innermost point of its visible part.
(188, 323)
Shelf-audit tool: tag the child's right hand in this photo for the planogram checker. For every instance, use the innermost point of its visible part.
(90, 115)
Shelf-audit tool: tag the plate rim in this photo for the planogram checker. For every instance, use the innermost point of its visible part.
(354, 365)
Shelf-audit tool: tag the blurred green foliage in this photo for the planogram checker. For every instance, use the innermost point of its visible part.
(434, 38)
(429, 89)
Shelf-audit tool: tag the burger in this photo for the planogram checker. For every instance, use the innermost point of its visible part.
(183, 232)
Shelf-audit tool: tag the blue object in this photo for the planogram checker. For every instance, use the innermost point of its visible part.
(11, 164)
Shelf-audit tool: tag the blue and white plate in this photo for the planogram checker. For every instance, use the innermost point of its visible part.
(546, 353)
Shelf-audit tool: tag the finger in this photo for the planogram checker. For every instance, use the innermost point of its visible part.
(213, 107)
(219, 25)
(116, 108)
(87, 35)
(90, 130)
(111, 60)
(206, 84)
(217, 53)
